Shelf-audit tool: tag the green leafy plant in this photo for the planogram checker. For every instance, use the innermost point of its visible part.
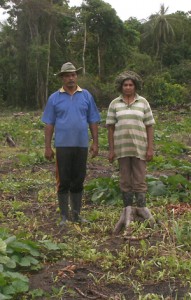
(104, 190)
(16, 255)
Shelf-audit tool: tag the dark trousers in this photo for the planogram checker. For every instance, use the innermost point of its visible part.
(70, 169)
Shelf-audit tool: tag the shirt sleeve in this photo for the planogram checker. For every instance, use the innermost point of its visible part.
(111, 115)
(49, 116)
(93, 115)
(148, 118)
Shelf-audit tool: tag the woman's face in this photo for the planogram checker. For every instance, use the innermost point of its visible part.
(128, 88)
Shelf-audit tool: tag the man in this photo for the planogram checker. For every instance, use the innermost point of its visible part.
(68, 113)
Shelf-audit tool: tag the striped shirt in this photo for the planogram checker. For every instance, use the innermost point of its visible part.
(130, 135)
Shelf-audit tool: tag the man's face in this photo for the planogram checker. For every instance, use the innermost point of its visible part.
(69, 79)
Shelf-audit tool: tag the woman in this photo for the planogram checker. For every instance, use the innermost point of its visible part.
(130, 135)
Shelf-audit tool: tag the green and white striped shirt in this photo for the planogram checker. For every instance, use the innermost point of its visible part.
(130, 136)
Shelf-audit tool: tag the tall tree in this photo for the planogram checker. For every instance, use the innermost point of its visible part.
(159, 29)
(106, 37)
(8, 62)
(35, 22)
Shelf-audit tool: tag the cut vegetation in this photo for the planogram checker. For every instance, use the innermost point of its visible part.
(40, 260)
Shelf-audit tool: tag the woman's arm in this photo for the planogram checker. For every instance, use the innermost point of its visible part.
(150, 151)
(111, 129)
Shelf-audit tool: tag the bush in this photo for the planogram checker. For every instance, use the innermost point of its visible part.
(161, 91)
(103, 93)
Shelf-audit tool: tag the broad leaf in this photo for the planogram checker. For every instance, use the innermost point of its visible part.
(4, 297)
(49, 245)
(156, 188)
(3, 246)
(10, 239)
(28, 261)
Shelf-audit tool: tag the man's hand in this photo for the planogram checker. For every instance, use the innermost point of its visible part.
(49, 154)
(94, 150)
(111, 156)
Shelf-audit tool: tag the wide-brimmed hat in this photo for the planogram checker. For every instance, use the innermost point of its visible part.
(68, 67)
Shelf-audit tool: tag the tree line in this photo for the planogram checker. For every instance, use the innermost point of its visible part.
(39, 36)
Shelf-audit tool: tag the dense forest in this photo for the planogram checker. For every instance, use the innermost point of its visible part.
(39, 36)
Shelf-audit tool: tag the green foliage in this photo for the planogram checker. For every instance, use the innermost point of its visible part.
(95, 215)
(18, 254)
(183, 233)
(33, 49)
(161, 163)
(173, 148)
(102, 92)
(29, 208)
(104, 190)
(156, 188)
(15, 253)
(162, 91)
(141, 63)
(170, 185)
(15, 185)
(31, 158)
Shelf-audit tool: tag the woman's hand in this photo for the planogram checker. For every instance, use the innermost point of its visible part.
(111, 156)
(149, 154)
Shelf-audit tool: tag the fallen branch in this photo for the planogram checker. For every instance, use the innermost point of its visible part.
(9, 140)
(19, 114)
(84, 295)
(130, 214)
(99, 294)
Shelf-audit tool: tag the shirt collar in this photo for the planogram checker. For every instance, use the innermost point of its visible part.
(78, 89)
(136, 97)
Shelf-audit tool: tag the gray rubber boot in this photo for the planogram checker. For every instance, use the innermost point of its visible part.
(63, 205)
(127, 198)
(140, 199)
(76, 204)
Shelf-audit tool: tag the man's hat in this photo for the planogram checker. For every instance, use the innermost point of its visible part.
(68, 67)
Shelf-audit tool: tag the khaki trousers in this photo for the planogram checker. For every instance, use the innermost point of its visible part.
(132, 172)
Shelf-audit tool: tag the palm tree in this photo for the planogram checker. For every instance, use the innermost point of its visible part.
(160, 29)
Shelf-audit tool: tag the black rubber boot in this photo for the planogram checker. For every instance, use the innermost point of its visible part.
(140, 199)
(63, 205)
(76, 204)
(127, 198)
(142, 210)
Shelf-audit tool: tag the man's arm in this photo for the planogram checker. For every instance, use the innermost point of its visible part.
(94, 132)
(150, 152)
(49, 153)
(111, 129)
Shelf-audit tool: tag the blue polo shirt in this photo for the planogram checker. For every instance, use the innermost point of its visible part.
(70, 116)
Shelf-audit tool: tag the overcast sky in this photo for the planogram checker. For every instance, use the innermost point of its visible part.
(141, 9)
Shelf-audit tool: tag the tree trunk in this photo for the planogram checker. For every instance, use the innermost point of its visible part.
(99, 58)
(47, 69)
(84, 49)
(130, 214)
